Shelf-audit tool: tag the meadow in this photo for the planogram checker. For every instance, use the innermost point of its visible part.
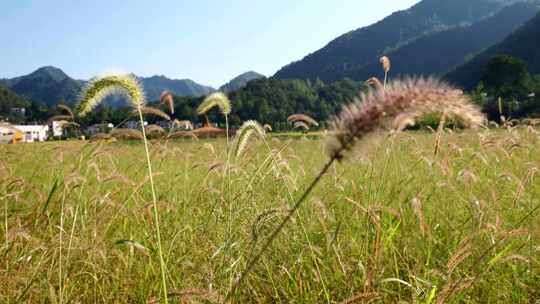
(394, 222)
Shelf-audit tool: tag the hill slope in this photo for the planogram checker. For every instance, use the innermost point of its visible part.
(440, 52)
(240, 81)
(9, 100)
(361, 47)
(523, 44)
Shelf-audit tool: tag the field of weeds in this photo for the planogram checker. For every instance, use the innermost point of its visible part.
(391, 223)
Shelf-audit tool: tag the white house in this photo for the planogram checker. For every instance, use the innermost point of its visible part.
(57, 128)
(34, 133)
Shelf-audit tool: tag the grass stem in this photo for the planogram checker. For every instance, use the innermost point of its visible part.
(155, 207)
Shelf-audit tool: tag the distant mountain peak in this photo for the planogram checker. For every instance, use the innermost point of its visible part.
(49, 85)
(51, 72)
(240, 81)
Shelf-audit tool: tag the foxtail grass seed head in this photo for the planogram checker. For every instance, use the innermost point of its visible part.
(183, 124)
(216, 99)
(301, 125)
(154, 129)
(67, 110)
(386, 64)
(246, 131)
(103, 86)
(402, 103)
(375, 83)
(152, 111)
(167, 97)
(59, 118)
(303, 118)
(126, 134)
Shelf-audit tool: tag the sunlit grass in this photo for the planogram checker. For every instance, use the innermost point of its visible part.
(392, 223)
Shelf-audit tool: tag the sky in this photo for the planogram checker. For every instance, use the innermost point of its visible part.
(208, 41)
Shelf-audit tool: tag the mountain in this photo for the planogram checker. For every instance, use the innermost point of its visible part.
(356, 49)
(240, 81)
(523, 44)
(8, 101)
(155, 85)
(50, 86)
(47, 85)
(441, 52)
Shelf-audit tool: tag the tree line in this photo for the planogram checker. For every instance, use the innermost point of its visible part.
(271, 101)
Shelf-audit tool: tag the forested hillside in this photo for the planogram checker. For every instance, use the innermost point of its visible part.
(361, 47)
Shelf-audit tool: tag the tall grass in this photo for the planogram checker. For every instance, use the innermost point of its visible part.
(362, 221)
(94, 93)
(394, 223)
(405, 100)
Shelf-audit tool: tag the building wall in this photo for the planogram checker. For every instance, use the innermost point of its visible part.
(34, 133)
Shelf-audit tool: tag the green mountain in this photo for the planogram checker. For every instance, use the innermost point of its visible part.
(50, 86)
(240, 81)
(47, 85)
(523, 44)
(441, 52)
(348, 54)
(8, 101)
(155, 85)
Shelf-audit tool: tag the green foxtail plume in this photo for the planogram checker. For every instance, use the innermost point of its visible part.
(103, 86)
(303, 118)
(243, 135)
(216, 99)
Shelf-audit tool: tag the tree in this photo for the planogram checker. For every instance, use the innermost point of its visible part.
(507, 77)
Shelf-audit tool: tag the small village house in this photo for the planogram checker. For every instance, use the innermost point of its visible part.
(23, 133)
(57, 128)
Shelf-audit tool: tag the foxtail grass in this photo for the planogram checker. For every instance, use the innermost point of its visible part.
(243, 135)
(167, 97)
(386, 65)
(309, 121)
(413, 98)
(94, 94)
(301, 125)
(221, 101)
(375, 83)
(152, 111)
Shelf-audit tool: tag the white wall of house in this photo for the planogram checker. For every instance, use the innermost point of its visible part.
(34, 133)
(57, 129)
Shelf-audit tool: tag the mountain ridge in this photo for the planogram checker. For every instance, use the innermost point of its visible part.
(360, 47)
(240, 81)
(50, 85)
(451, 48)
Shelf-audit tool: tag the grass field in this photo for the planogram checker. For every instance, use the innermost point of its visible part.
(393, 223)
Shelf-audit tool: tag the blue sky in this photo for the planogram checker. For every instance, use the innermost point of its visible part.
(207, 41)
